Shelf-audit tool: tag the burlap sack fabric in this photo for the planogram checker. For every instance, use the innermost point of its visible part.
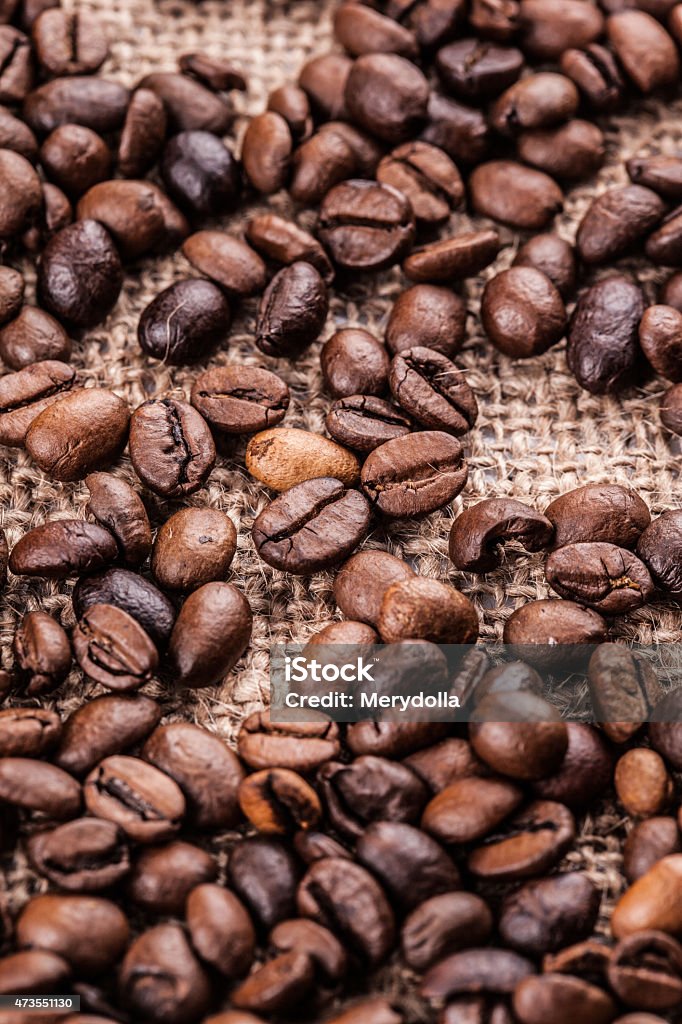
(537, 434)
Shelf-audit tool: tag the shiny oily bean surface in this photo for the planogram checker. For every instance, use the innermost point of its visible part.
(28, 732)
(184, 322)
(646, 51)
(442, 925)
(42, 653)
(62, 548)
(414, 475)
(624, 690)
(410, 865)
(116, 506)
(552, 255)
(264, 873)
(131, 592)
(193, 547)
(366, 225)
(480, 970)
(430, 388)
(37, 786)
(660, 335)
(477, 69)
(162, 877)
(200, 173)
(648, 842)
(616, 221)
(143, 133)
(603, 346)
(88, 931)
(449, 259)
(283, 241)
(386, 95)
(240, 399)
(227, 260)
(210, 635)
(522, 312)
(104, 726)
(171, 447)
(361, 583)
(221, 929)
(603, 576)
(190, 106)
(80, 274)
(301, 746)
(658, 547)
(538, 101)
(277, 801)
(477, 534)
(426, 609)
(146, 803)
(427, 315)
(598, 512)
(515, 195)
(427, 176)
(113, 649)
(161, 980)
(292, 311)
(354, 363)
(84, 855)
(364, 422)
(32, 336)
(573, 151)
(370, 789)
(26, 393)
(549, 914)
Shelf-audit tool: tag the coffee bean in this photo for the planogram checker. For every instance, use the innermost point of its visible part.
(361, 583)
(317, 942)
(163, 877)
(84, 855)
(21, 194)
(415, 474)
(277, 801)
(469, 809)
(285, 242)
(37, 786)
(573, 151)
(432, 21)
(554, 257)
(451, 258)
(461, 131)
(68, 43)
(429, 316)
(363, 422)
(266, 152)
(264, 874)
(193, 547)
(375, 1010)
(324, 80)
(659, 547)
(529, 844)
(291, 103)
(515, 195)
(143, 133)
(642, 783)
(426, 609)
(488, 970)
(661, 173)
(443, 925)
(548, 31)
(521, 750)
(62, 548)
(200, 173)
(598, 512)
(102, 727)
(218, 73)
(16, 76)
(226, 260)
(665, 244)
(24, 395)
(146, 803)
(410, 864)
(31, 337)
(292, 311)
(345, 898)
(646, 971)
(538, 101)
(171, 447)
(28, 732)
(522, 312)
(445, 762)
(221, 930)
(80, 275)
(318, 164)
(11, 294)
(93, 102)
(670, 409)
(595, 72)
(354, 363)
(603, 576)
(659, 337)
(585, 772)
(312, 846)
(75, 158)
(361, 30)
(210, 635)
(113, 649)
(367, 151)
(33, 971)
(604, 356)
(239, 399)
(367, 790)
(131, 592)
(301, 746)
(477, 534)
(366, 225)
(477, 70)
(393, 739)
(652, 902)
(184, 322)
(160, 979)
(644, 48)
(276, 986)
(311, 526)
(286, 456)
(16, 135)
(564, 999)
(427, 176)
(42, 653)
(88, 931)
(387, 95)
(616, 221)
(115, 505)
(131, 211)
(190, 106)
(549, 914)
(623, 688)
(648, 842)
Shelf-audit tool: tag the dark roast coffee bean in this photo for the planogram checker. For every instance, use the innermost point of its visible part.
(469, 809)
(266, 152)
(517, 677)
(171, 447)
(429, 387)
(345, 898)
(564, 998)
(616, 221)
(671, 409)
(193, 547)
(313, 525)
(659, 547)
(461, 131)
(572, 151)
(366, 225)
(585, 772)
(522, 312)
(190, 106)
(414, 475)
(601, 575)
(36, 970)
(548, 31)
(37, 786)
(264, 874)
(367, 790)
(623, 688)
(661, 173)
(291, 102)
(285, 242)
(239, 399)
(648, 842)
(218, 73)
(442, 925)
(427, 315)
(477, 534)
(277, 801)
(104, 726)
(92, 102)
(131, 592)
(88, 931)
(42, 653)
(427, 176)
(11, 294)
(113, 649)
(645, 971)
(132, 211)
(642, 783)
(603, 347)
(529, 844)
(62, 548)
(33, 335)
(16, 77)
(595, 71)
(28, 732)
(318, 164)
(393, 739)
(549, 914)
(432, 21)
(387, 95)
(375, 1010)
(410, 864)
(24, 395)
(80, 275)
(210, 635)
(163, 877)
(354, 363)
(554, 257)
(450, 760)
(644, 48)
(226, 260)
(16, 135)
(276, 986)
(476, 70)
(146, 803)
(360, 585)
(75, 158)
(200, 173)
(221, 930)
(160, 979)
(665, 244)
(514, 194)
(312, 846)
(301, 746)
(548, 623)
(451, 258)
(317, 942)
(660, 336)
(21, 194)
(84, 855)
(367, 151)
(324, 80)
(292, 311)
(184, 322)
(538, 101)
(85, 430)
(598, 512)
(68, 43)
(119, 508)
(488, 970)
(363, 422)
(143, 133)
(360, 30)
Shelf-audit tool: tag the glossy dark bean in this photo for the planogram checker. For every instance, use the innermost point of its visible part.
(533, 841)
(318, 164)
(488, 970)
(431, 458)
(301, 746)
(132, 211)
(93, 102)
(113, 649)
(42, 653)
(665, 244)
(102, 727)
(549, 914)
(292, 311)
(266, 152)
(598, 512)
(387, 95)
(659, 547)
(660, 332)
(80, 275)
(291, 102)
(367, 151)
(264, 874)
(146, 803)
(75, 158)
(411, 865)
(143, 133)
(585, 772)
(200, 173)
(430, 388)
(366, 225)
(39, 787)
(478, 533)
(360, 585)
(477, 70)
(226, 260)
(184, 322)
(160, 979)
(119, 508)
(616, 221)
(548, 31)
(573, 151)
(361, 30)
(452, 258)
(461, 131)
(522, 312)
(171, 447)
(220, 929)
(21, 194)
(240, 399)
(427, 176)
(661, 173)
(190, 106)
(162, 877)
(427, 315)
(25, 394)
(648, 842)
(603, 576)
(443, 925)
(84, 855)
(62, 548)
(285, 242)
(69, 43)
(538, 101)
(564, 997)
(516, 195)
(603, 347)
(324, 80)
(370, 789)
(363, 422)
(193, 547)
(88, 931)
(624, 689)
(595, 72)
(553, 256)
(131, 592)
(354, 363)
(644, 48)
(210, 635)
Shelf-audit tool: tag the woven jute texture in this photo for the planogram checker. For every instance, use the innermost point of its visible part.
(537, 435)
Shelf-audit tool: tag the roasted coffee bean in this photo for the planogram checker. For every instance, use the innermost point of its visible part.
(522, 750)
(311, 526)
(264, 874)
(91, 933)
(84, 855)
(36, 970)
(312, 846)
(143, 133)
(538, 101)
(426, 609)
(220, 929)
(277, 801)
(292, 311)
(31, 337)
(660, 336)
(478, 533)
(572, 151)
(239, 399)
(317, 942)
(461, 131)
(375, 1010)
(42, 653)
(470, 808)
(476, 70)
(171, 447)
(548, 31)
(56, 214)
(68, 43)
(429, 316)
(427, 176)
(83, 431)
(522, 312)
(603, 349)
(661, 173)
(516, 195)
(131, 592)
(554, 257)
(363, 422)
(432, 21)
(623, 688)
(324, 80)
(226, 260)
(184, 322)
(361, 583)
(549, 914)
(531, 843)
(80, 275)
(598, 512)
(345, 898)
(210, 635)
(37, 786)
(132, 212)
(443, 925)
(367, 790)
(92, 102)
(360, 30)
(595, 72)
(24, 395)
(452, 258)
(651, 903)
(445, 762)
(367, 151)
(16, 135)
(160, 979)
(665, 244)
(432, 390)
(277, 985)
(648, 842)
(645, 971)
(193, 547)
(410, 864)
(75, 158)
(616, 221)
(162, 877)
(266, 152)
(415, 474)
(11, 294)
(113, 649)
(387, 95)
(190, 106)
(283, 457)
(393, 739)
(354, 363)
(301, 746)
(562, 997)
(642, 783)
(488, 970)
(28, 732)
(659, 547)
(102, 727)
(670, 409)
(16, 77)
(366, 225)
(588, 959)
(585, 772)
(200, 173)
(119, 508)
(318, 164)
(291, 102)
(644, 48)
(217, 73)
(285, 242)
(62, 548)
(21, 194)
(603, 576)
(146, 803)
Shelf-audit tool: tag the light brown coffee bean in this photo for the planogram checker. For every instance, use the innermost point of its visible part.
(286, 456)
